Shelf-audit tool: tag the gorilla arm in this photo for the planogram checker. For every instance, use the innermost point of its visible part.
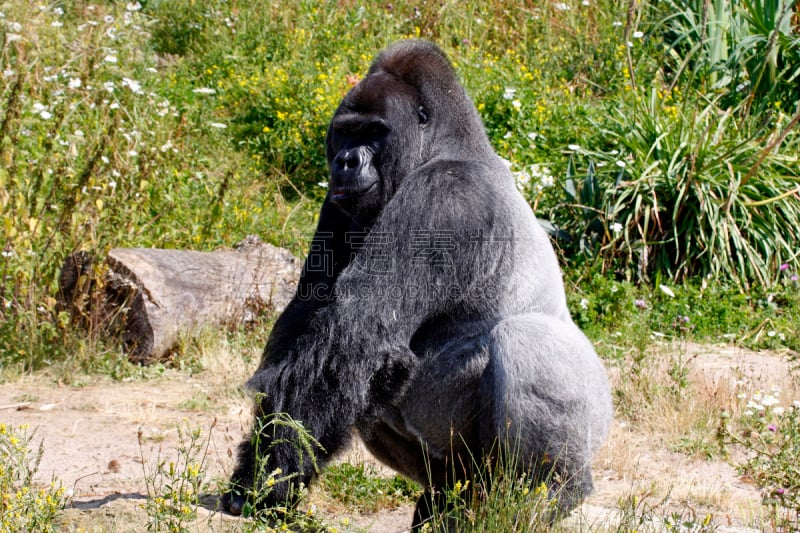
(328, 255)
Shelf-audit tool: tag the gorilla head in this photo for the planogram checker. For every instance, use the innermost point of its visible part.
(459, 343)
(374, 141)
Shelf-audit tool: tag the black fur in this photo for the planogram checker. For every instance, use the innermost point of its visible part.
(430, 314)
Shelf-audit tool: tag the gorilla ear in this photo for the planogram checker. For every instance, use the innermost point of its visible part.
(423, 115)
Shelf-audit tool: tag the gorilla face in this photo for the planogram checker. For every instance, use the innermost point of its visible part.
(410, 110)
(357, 142)
(366, 138)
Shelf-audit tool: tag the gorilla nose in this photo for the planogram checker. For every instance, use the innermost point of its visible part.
(347, 160)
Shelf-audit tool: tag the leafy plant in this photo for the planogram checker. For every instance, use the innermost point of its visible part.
(683, 198)
(748, 49)
(690, 183)
(178, 26)
(286, 515)
(174, 487)
(24, 506)
(587, 225)
(769, 433)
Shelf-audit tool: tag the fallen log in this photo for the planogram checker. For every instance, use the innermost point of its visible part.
(151, 296)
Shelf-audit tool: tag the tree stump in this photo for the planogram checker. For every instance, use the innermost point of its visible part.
(151, 296)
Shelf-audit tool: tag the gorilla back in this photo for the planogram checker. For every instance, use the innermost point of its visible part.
(430, 314)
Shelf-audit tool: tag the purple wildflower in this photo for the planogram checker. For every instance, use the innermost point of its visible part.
(784, 266)
(640, 303)
(772, 427)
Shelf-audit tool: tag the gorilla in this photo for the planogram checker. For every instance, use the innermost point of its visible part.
(430, 315)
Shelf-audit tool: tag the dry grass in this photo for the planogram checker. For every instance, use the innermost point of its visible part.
(663, 451)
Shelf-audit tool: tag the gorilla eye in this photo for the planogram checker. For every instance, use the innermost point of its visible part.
(423, 115)
(371, 130)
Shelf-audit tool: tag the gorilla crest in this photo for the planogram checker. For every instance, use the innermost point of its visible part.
(430, 315)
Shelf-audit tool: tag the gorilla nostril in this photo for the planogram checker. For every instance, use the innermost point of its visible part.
(348, 159)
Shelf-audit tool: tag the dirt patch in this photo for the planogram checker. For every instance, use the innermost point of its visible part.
(100, 438)
(91, 434)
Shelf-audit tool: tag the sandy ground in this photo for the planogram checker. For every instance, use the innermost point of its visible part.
(92, 436)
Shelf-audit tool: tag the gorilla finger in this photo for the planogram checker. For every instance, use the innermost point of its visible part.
(234, 503)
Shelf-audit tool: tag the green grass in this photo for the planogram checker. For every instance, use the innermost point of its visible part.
(360, 487)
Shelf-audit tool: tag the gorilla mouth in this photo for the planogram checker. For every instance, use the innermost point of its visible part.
(346, 194)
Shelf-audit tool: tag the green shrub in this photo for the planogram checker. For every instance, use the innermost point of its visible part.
(749, 51)
(769, 433)
(24, 506)
(174, 487)
(179, 26)
(678, 197)
(685, 182)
